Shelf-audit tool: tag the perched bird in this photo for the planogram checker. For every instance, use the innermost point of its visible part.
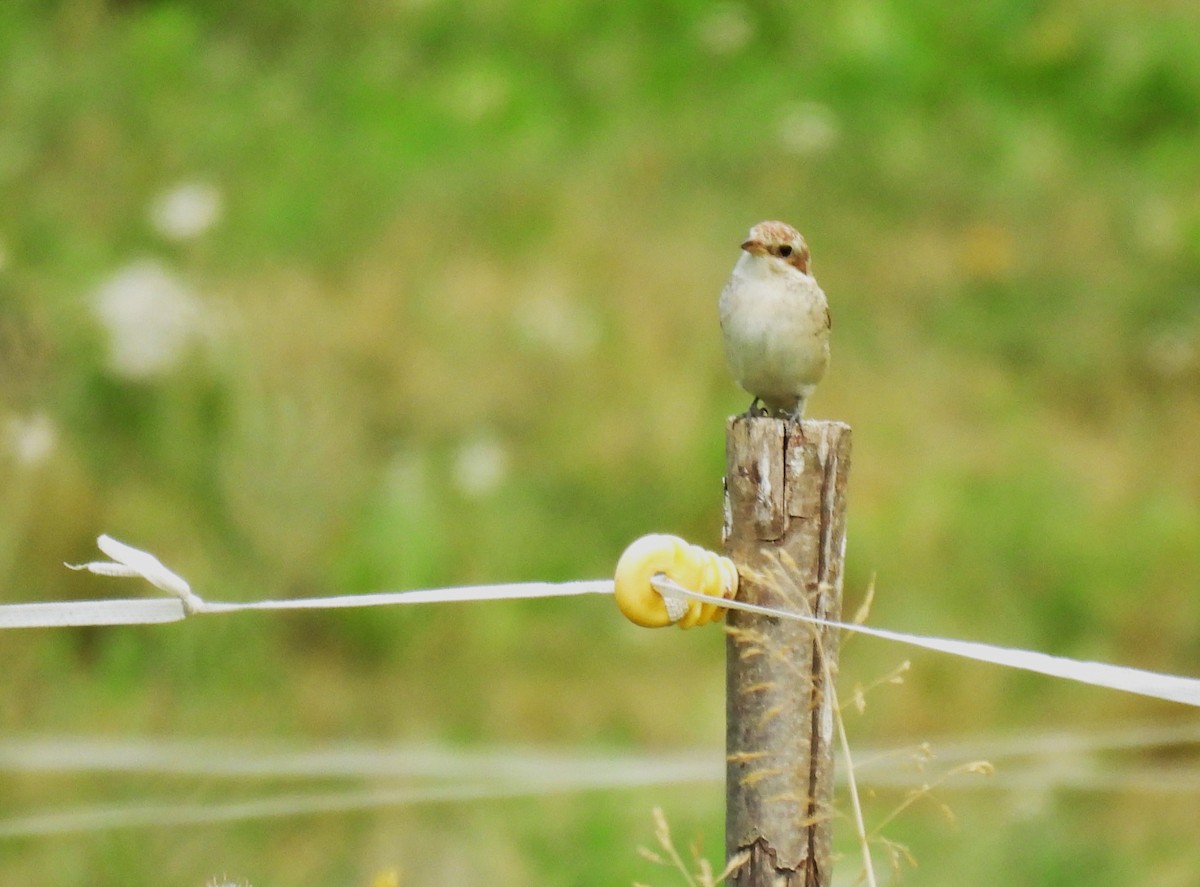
(775, 321)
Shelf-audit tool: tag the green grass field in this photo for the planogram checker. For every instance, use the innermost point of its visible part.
(311, 297)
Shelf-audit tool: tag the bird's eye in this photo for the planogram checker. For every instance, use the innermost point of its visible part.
(785, 251)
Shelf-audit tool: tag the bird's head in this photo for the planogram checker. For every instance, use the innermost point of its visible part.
(778, 242)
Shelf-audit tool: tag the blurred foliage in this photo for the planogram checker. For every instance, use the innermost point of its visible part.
(308, 296)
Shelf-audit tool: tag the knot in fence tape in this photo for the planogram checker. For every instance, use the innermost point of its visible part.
(709, 574)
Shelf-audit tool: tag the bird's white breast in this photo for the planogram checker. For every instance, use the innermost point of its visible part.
(775, 323)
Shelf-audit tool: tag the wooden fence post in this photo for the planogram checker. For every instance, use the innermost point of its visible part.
(785, 529)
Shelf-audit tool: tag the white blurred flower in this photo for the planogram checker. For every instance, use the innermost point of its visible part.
(151, 317)
(558, 324)
(725, 29)
(30, 438)
(808, 128)
(480, 466)
(186, 210)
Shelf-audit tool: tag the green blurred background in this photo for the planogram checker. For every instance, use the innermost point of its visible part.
(313, 297)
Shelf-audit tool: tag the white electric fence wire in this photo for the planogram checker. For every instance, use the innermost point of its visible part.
(463, 776)
(1171, 688)
(130, 561)
(449, 775)
(239, 760)
(612, 773)
(104, 818)
(1062, 743)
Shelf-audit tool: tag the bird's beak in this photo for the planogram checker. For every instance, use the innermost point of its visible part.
(754, 247)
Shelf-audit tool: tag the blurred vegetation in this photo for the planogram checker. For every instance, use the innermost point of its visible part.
(427, 296)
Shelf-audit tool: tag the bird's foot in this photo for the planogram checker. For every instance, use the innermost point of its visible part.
(756, 410)
(796, 417)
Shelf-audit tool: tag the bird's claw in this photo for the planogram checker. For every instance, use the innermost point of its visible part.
(796, 417)
(757, 410)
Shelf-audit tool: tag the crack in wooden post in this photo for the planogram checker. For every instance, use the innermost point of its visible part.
(785, 528)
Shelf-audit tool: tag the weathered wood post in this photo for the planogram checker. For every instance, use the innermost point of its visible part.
(785, 529)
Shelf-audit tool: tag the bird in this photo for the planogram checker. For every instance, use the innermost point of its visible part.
(775, 322)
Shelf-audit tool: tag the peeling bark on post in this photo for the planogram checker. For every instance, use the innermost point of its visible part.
(785, 528)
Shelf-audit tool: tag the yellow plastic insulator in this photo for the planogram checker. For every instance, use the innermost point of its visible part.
(689, 565)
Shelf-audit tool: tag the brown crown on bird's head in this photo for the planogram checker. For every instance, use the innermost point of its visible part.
(781, 240)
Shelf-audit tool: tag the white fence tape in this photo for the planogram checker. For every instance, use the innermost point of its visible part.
(129, 562)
